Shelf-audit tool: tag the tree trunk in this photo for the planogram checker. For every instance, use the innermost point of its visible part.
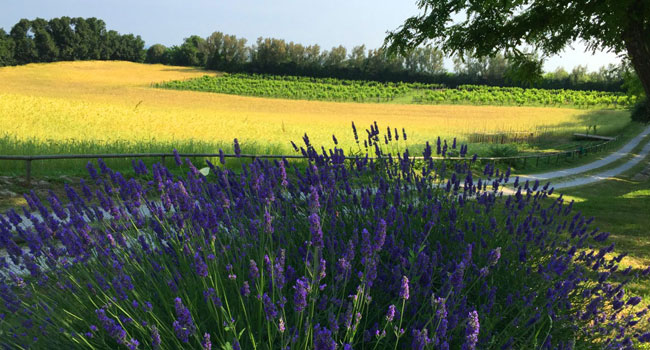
(636, 37)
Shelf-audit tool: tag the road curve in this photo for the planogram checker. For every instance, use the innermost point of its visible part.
(622, 152)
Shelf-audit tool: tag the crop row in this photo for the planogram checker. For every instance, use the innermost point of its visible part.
(330, 89)
(489, 95)
(300, 89)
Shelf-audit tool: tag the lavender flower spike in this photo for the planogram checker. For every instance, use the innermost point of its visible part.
(184, 325)
(471, 331)
(316, 231)
(404, 289)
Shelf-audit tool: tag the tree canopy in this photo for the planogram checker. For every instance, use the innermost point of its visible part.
(487, 27)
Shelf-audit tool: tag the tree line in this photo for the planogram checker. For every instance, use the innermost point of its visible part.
(67, 39)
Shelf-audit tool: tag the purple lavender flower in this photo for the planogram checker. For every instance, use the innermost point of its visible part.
(300, 295)
(390, 315)
(471, 331)
(314, 199)
(231, 274)
(222, 157)
(245, 289)
(133, 344)
(111, 326)
(404, 288)
(269, 308)
(237, 148)
(184, 325)
(92, 171)
(283, 175)
(494, 256)
(253, 271)
(456, 278)
(323, 339)
(268, 225)
(177, 158)
(380, 236)
(200, 266)
(155, 338)
(207, 344)
(316, 231)
(644, 338)
(211, 294)
(420, 339)
(633, 301)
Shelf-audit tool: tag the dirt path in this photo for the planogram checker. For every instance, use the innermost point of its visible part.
(619, 154)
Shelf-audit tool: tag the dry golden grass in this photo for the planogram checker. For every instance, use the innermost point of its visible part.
(108, 102)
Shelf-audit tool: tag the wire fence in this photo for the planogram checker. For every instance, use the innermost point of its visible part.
(524, 159)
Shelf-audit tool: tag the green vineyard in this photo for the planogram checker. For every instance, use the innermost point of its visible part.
(330, 89)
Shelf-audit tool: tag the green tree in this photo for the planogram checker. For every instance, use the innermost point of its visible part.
(156, 54)
(269, 54)
(424, 60)
(579, 74)
(6, 49)
(194, 52)
(64, 37)
(23, 38)
(46, 48)
(128, 48)
(335, 58)
(491, 26)
(357, 57)
(226, 52)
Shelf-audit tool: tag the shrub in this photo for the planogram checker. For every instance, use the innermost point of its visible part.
(336, 255)
(640, 112)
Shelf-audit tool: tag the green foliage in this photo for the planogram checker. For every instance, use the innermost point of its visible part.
(632, 84)
(329, 89)
(6, 49)
(641, 112)
(526, 69)
(24, 49)
(226, 52)
(45, 46)
(65, 38)
(294, 87)
(503, 151)
(156, 54)
(493, 95)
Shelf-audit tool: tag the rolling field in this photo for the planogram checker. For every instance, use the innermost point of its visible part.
(96, 107)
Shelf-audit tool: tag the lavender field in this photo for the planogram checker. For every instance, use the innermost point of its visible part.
(386, 253)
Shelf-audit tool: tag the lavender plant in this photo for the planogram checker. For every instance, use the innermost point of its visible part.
(383, 253)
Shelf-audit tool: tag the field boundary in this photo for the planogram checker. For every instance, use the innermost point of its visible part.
(524, 158)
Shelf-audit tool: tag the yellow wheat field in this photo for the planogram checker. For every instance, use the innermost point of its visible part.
(112, 102)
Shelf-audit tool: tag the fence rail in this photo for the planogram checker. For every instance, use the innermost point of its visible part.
(29, 158)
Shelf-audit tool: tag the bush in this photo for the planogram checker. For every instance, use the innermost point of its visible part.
(361, 255)
(503, 151)
(640, 112)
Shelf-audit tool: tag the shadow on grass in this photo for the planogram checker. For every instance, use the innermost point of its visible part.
(621, 206)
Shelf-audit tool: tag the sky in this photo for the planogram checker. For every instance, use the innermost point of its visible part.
(327, 23)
